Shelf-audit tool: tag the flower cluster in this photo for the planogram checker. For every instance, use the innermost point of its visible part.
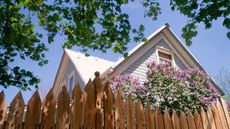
(181, 90)
(228, 106)
(129, 85)
(169, 88)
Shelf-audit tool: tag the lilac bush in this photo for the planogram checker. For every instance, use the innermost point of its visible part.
(169, 88)
(129, 85)
(181, 90)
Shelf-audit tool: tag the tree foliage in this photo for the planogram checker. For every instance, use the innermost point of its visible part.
(88, 24)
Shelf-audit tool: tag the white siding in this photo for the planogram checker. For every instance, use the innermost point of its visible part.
(69, 70)
(138, 69)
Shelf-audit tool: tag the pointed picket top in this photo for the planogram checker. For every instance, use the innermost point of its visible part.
(149, 117)
(222, 115)
(16, 110)
(89, 85)
(204, 119)
(3, 108)
(159, 119)
(89, 106)
(216, 117)
(48, 111)
(130, 114)
(62, 118)
(33, 112)
(191, 123)
(224, 105)
(167, 120)
(175, 120)
(211, 119)
(183, 121)
(119, 110)
(140, 116)
(108, 107)
(77, 107)
(198, 120)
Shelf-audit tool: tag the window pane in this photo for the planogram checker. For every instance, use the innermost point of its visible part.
(70, 85)
(164, 55)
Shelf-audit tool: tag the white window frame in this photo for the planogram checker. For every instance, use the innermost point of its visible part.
(72, 74)
(166, 51)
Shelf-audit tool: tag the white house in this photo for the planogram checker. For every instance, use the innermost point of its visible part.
(163, 46)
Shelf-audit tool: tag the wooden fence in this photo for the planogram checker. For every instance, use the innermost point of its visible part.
(101, 109)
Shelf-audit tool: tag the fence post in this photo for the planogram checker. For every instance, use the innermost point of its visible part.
(99, 101)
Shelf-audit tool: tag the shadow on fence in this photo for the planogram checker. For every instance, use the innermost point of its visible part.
(99, 108)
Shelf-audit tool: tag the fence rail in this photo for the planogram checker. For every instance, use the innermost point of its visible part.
(98, 108)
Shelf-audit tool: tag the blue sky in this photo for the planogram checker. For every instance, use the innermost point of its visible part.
(211, 47)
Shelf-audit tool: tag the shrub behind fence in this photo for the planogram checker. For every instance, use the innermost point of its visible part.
(99, 108)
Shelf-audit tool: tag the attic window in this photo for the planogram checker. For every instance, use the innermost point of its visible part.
(165, 58)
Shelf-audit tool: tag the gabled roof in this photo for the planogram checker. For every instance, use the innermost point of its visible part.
(86, 66)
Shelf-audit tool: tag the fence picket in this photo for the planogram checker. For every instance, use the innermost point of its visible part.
(224, 105)
(191, 123)
(222, 115)
(33, 112)
(204, 119)
(77, 107)
(119, 110)
(216, 117)
(197, 120)
(167, 120)
(130, 114)
(62, 118)
(89, 106)
(2, 108)
(48, 111)
(211, 119)
(16, 111)
(108, 107)
(140, 116)
(101, 109)
(183, 121)
(159, 119)
(149, 118)
(175, 120)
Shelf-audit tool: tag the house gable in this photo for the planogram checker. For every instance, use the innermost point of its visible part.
(138, 69)
(144, 52)
(83, 68)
